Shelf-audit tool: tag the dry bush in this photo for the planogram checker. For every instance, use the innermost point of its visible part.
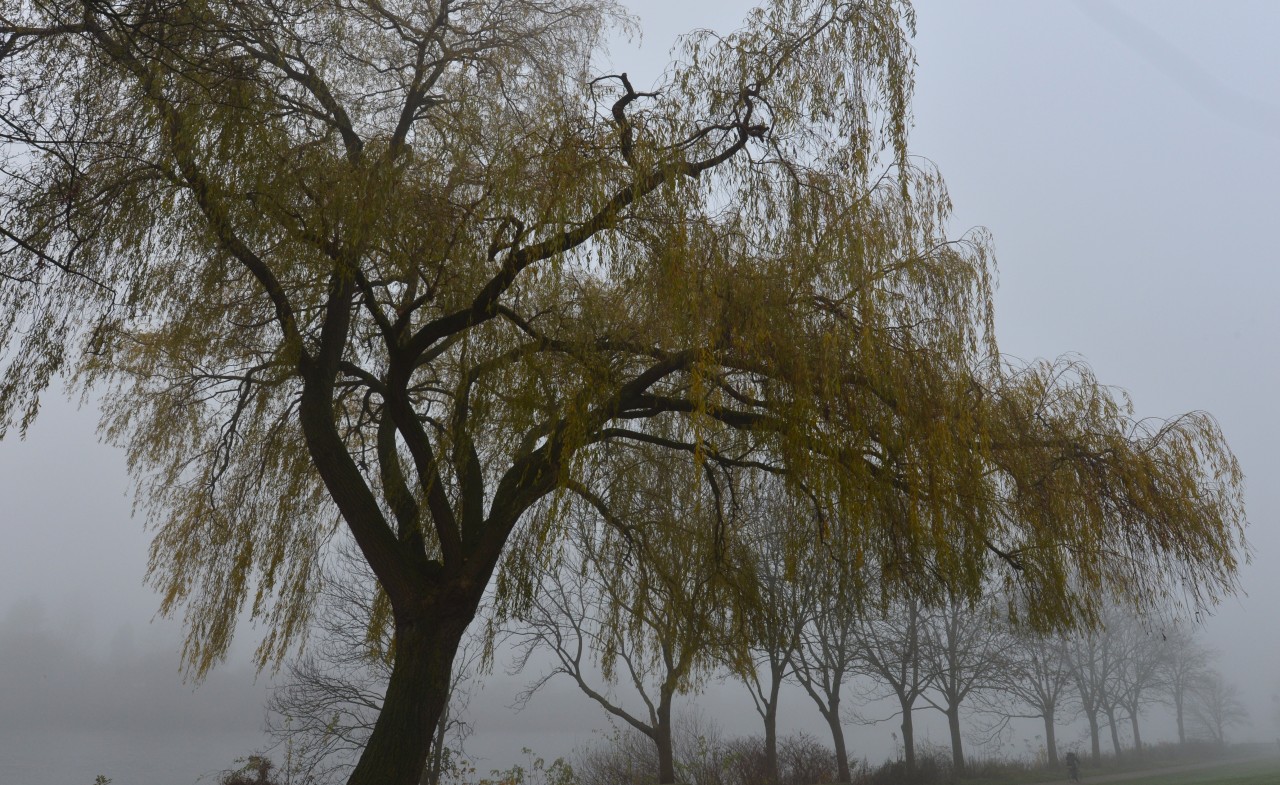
(704, 757)
(255, 771)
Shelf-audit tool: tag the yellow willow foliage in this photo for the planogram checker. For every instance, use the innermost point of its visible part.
(417, 268)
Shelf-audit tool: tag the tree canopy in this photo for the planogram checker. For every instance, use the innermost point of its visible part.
(415, 268)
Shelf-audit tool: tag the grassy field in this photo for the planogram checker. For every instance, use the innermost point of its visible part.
(1257, 772)
(1250, 770)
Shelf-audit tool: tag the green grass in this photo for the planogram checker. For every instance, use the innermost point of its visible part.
(1264, 771)
(1258, 772)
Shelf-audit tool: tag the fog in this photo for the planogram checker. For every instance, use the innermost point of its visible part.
(78, 702)
(1125, 157)
(89, 679)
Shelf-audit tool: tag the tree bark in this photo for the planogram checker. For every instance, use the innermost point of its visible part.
(771, 743)
(1182, 730)
(1137, 736)
(908, 738)
(837, 740)
(957, 745)
(662, 739)
(417, 695)
(777, 671)
(1050, 740)
(435, 759)
(1115, 732)
(1095, 740)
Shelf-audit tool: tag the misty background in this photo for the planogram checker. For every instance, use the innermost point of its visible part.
(1126, 158)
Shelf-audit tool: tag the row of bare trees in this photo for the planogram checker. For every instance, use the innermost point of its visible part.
(1121, 669)
(680, 584)
(636, 626)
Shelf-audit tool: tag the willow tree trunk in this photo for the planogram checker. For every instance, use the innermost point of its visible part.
(666, 749)
(1137, 737)
(417, 696)
(957, 745)
(1050, 740)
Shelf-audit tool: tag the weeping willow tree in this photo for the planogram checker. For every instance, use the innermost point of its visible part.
(414, 268)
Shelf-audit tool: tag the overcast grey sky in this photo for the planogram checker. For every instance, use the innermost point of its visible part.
(1125, 157)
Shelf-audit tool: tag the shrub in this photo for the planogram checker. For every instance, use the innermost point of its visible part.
(255, 771)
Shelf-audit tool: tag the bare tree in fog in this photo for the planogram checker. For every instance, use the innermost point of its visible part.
(889, 652)
(1185, 662)
(1035, 671)
(640, 598)
(1215, 706)
(827, 654)
(1139, 670)
(772, 620)
(1091, 667)
(961, 646)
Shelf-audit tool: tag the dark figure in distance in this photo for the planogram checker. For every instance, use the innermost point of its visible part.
(1073, 766)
